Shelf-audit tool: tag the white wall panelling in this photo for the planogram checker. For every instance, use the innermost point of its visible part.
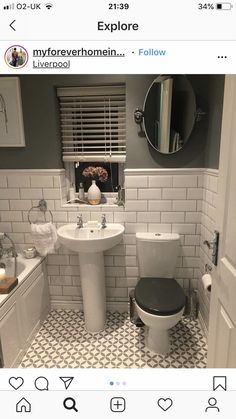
(157, 200)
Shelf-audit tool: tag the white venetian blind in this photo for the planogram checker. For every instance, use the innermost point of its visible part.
(93, 123)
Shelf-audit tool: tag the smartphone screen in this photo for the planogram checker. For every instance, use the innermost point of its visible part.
(117, 209)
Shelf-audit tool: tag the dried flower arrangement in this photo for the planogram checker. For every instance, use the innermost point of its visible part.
(97, 173)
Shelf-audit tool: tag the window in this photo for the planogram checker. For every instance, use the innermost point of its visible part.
(93, 123)
(93, 131)
(109, 186)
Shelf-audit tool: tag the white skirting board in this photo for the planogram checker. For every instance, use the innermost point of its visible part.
(121, 307)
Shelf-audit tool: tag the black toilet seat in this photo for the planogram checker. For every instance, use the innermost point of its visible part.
(160, 296)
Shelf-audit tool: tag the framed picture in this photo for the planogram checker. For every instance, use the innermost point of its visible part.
(11, 118)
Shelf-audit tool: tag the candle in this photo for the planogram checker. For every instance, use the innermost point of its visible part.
(2, 273)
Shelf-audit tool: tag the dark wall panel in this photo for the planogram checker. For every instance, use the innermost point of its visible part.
(42, 133)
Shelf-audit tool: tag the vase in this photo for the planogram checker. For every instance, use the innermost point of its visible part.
(94, 194)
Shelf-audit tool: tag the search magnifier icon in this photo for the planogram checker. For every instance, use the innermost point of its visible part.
(70, 404)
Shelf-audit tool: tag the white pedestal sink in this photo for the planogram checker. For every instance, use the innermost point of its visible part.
(90, 243)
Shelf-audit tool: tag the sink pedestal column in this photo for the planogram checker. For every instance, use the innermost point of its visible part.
(92, 276)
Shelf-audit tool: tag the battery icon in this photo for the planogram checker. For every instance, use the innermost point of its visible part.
(224, 6)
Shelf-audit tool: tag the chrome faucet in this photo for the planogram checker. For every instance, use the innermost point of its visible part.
(80, 223)
(103, 221)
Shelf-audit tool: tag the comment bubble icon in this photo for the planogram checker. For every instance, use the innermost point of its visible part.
(41, 383)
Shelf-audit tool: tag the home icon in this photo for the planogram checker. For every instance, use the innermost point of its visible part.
(23, 406)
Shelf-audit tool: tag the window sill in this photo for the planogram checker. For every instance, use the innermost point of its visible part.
(109, 203)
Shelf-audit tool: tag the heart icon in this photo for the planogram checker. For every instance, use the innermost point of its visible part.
(16, 382)
(165, 404)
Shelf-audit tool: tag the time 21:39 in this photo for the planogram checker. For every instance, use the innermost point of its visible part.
(118, 6)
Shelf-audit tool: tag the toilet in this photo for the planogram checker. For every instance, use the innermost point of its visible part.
(159, 299)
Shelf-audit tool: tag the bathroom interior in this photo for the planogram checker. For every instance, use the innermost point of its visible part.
(108, 221)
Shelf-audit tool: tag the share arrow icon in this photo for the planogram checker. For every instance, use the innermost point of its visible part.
(67, 381)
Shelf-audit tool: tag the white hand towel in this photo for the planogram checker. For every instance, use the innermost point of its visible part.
(44, 237)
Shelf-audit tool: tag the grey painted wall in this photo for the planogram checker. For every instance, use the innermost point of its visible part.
(215, 93)
(41, 123)
(202, 149)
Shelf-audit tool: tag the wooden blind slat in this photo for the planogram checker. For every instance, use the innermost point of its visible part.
(93, 122)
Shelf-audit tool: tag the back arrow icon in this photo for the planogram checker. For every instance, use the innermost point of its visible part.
(12, 24)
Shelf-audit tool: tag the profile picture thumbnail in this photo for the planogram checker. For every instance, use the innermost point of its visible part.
(16, 56)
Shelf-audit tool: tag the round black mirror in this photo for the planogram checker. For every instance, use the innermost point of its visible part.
(169, 113)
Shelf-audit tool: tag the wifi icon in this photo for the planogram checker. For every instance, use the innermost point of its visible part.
(48, 5)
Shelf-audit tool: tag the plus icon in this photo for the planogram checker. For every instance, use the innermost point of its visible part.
(117, 404)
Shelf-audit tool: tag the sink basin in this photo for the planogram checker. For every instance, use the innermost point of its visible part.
(90, 239)
(90, 242)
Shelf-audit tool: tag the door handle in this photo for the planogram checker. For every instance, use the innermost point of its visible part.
(213, 245)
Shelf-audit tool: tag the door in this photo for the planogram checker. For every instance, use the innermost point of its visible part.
(222, 326)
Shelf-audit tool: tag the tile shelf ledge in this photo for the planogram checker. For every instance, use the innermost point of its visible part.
(108, 202)
(82, 206)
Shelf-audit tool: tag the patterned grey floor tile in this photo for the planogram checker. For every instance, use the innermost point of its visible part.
(63, 342)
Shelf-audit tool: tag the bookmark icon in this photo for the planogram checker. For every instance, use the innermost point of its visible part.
(219, 382)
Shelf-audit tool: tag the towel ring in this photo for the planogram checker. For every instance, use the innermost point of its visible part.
(42, 206)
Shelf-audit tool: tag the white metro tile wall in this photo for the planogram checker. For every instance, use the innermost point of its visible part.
(161, 200)
(19, 191)
(166, 201)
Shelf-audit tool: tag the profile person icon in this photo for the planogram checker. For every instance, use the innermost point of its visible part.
(212, 405)
(14, 57)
